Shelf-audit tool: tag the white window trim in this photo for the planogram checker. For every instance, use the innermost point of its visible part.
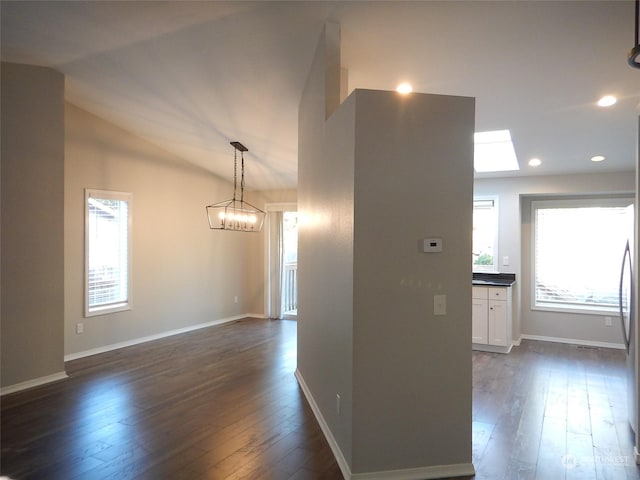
(495, 267)
(583, 202)
(120, 307)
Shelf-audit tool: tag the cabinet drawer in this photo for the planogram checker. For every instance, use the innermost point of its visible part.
(480, 292)
(497, 293)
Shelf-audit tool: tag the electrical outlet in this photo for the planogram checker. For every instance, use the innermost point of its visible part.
(607, 321)
(79, 328)
(235, 299)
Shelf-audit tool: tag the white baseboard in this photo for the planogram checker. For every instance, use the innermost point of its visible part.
(157, 336)
(32, 383)
(573, 341)
(491, 348)
(423, 473)
(516, 343)
(337, 453)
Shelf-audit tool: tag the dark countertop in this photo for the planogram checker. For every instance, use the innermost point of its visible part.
(494, 279)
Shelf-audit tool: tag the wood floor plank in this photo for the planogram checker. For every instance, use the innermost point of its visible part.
(553, 448)
(579, 460)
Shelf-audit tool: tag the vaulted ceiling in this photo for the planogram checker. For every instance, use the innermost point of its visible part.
(192, 76)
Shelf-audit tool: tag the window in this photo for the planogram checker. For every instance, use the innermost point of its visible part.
(485, 234)
(578, 248)
(107, 252)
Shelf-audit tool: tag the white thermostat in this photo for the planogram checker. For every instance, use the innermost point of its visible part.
(432, 245)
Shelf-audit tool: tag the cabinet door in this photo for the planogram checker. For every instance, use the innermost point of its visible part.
(498, 323)
(479, 321)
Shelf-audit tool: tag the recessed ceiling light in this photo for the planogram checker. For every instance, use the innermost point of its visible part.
(404, 88)
(535, 162)
(494, 152)
(607, 101)
(597, 158)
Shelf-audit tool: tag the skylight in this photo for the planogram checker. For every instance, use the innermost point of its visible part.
(494, 152)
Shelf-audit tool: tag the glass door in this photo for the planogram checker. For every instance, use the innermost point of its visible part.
(290, 263)
(281, 299)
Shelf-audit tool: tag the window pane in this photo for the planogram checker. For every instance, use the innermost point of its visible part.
(107, 252)
(578, 253)
(484, 235)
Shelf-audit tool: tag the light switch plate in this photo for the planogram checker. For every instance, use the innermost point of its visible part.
(439, 304)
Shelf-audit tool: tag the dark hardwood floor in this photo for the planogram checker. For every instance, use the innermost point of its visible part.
(551, 411)
(216, 403)
(222, 403)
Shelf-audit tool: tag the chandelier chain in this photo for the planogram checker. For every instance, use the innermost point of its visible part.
(235, 172)
(242, 178)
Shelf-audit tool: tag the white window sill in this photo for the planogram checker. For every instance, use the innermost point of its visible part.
(121, 307)
(583, 310)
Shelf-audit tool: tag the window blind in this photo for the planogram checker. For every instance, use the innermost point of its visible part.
(485, 230)
(577, 255)
(108, 252)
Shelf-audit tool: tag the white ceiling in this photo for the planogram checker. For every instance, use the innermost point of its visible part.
(192, 76)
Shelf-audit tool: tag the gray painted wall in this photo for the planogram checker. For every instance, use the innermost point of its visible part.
(514, 241)
(325, 242)
(380, 174)
(32, 223)
(412, 369)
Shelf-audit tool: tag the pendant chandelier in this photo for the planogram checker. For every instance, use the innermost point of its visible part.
(234, 214)
(634, 54)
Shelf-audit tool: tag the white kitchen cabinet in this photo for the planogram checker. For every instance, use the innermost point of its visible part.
(479, 318)
(498, 323)
(491, 319)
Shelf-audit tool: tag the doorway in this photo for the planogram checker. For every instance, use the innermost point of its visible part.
(282, 261)
(290, 257)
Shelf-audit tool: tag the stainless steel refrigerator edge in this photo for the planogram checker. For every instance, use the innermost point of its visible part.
(635, 365)
(628, 320)
(629, 310)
